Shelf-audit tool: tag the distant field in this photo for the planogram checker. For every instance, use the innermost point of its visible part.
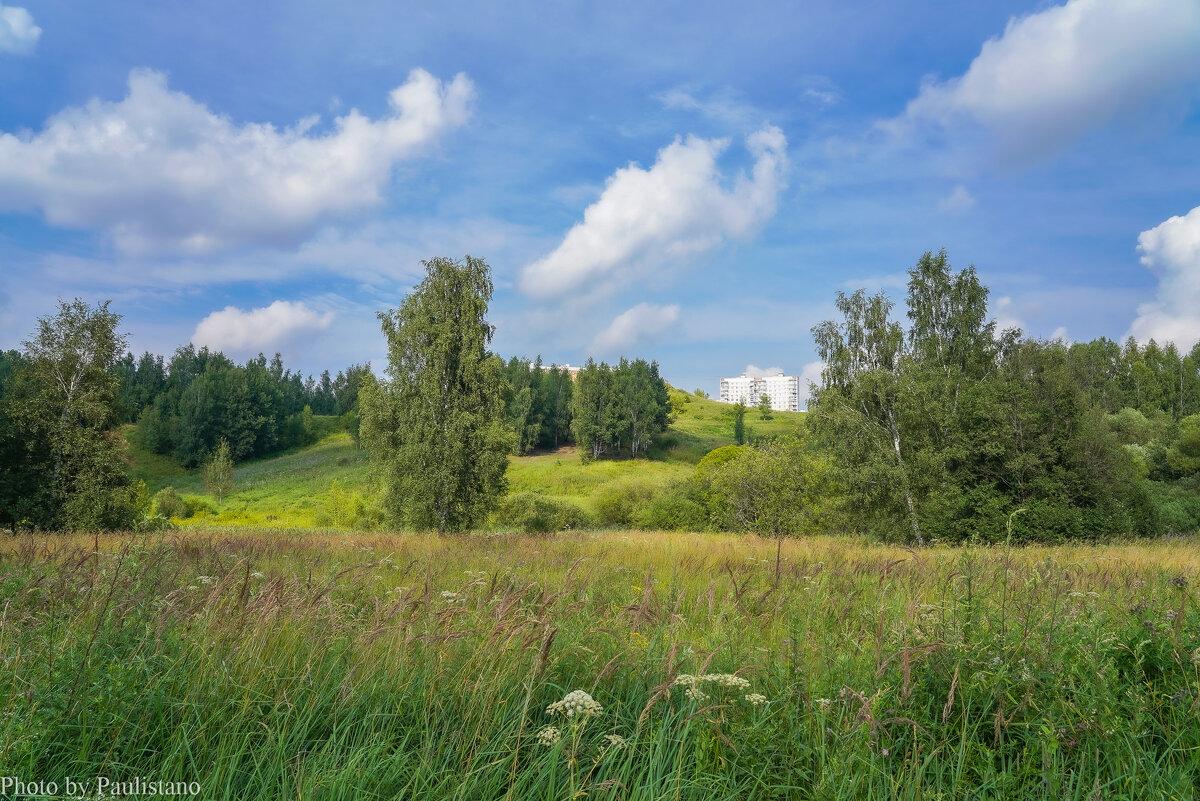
(293, 489)
(278, 664)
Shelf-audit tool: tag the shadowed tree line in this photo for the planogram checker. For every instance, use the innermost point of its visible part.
(186, 406)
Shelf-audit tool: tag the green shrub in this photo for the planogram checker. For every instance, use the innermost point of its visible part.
(168, 503)
(681, 507)
(1178, 506)
(532, 513)
(199, 506)
(717, 457)
(617, 505)
(344, 508)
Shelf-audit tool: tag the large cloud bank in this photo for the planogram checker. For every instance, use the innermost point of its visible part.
(158, 171)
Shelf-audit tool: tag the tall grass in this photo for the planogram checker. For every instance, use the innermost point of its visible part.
(271, 665)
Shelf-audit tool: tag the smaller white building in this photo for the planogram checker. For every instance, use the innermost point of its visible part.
(783, 391)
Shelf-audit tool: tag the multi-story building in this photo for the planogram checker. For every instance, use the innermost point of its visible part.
(574, 371)
(783, 391)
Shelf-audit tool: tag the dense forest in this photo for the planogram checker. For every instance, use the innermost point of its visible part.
(186, 406)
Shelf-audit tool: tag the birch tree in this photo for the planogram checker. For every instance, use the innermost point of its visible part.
(435, 426)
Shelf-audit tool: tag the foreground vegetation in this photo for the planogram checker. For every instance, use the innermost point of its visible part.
(274, 665)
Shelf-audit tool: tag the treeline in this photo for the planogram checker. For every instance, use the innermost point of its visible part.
(951, 430)
(618, 407)
(187, 405)
(1153, 379)
(63, 397)
(537, 404)
(605, 410)
(938, 429)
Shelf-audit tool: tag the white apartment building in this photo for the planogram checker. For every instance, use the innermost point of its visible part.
(782, 390)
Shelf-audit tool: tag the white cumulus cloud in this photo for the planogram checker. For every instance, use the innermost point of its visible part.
(234, 329)
(1172, 252)
(18, 33)
(810, 377)
(634, 325)
(678, 207)
(1057, 74)
(158, 171)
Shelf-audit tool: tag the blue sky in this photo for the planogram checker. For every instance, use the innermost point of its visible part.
(690, 182)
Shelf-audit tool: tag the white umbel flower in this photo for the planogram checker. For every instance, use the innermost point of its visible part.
(576, 703)
(549, 736)
(720, 679)
(756, 699)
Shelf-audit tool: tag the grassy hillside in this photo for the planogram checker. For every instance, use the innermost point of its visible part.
(298, 488)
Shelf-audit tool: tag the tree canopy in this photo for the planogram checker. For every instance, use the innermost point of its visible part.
(436, 424)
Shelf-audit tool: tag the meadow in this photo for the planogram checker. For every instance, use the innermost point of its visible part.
(307, 487)
(271, 663)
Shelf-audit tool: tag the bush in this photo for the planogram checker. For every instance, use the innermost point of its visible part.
(772, 489)
(617, 505)
(198, 506)
(168, 503)
(537, 514)
(717, 457)
(681, 507)
(344, 508)
(1178, 507)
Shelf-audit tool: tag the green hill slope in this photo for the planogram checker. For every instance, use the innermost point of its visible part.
(305, 488)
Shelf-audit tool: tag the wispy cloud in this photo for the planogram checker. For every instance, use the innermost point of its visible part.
(958, 200)
(632, 326)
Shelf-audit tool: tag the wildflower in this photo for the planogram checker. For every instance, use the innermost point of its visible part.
(258, 574)
(575, 703)
(823, 703)
(696, 694)
(449, 596)
(726, 680)
(885, 752)
(205, 579)
(756, 699)
(614, 741)
(1196, 657)
(549, 736)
